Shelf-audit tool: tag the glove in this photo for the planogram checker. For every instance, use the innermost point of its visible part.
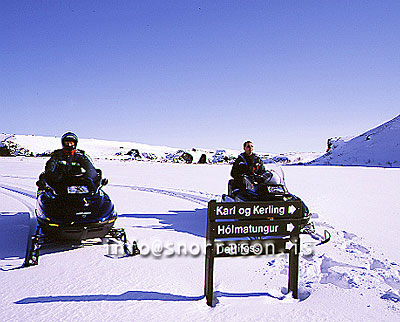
(264, 177)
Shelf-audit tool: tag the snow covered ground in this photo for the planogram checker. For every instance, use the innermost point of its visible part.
(355, 277)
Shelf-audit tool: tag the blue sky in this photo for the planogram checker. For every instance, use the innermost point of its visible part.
(285, 74)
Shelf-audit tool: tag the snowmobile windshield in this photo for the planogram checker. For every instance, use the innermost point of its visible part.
(278, 175)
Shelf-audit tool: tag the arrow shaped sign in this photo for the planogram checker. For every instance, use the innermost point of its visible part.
(289, 245)
(290, 227)
(292, 209)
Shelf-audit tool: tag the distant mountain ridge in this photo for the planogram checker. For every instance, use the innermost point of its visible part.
(379, 146)
(32, 145)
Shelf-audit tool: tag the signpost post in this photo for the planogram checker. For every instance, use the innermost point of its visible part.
(253, 229)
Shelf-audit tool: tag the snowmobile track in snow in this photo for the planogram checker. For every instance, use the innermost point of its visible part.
(198, 197)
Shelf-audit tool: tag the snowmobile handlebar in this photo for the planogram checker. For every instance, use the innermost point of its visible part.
(103, 182)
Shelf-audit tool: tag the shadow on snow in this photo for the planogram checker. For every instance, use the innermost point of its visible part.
(137, 296)
(192, 222)
(14, 229)
(127, 296)
(14, 234)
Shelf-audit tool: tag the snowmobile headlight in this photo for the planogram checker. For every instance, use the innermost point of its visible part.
(78, 189)
(276, 189)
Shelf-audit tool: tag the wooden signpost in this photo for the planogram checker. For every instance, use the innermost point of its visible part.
(254, 229)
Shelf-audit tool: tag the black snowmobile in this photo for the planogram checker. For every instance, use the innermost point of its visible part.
(72, 213)
(271, 187)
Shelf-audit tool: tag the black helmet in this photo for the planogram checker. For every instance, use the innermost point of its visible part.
(69, 136)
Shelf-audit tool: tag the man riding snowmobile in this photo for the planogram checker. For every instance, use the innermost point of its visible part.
(255, 180)
(71, 205)
(248, 167)
(66, 163)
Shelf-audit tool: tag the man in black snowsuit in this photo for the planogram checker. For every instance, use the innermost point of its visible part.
(66, 163)
(250, 165)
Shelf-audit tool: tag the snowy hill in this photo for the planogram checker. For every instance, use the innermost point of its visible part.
(31, 145)
(377, 147)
